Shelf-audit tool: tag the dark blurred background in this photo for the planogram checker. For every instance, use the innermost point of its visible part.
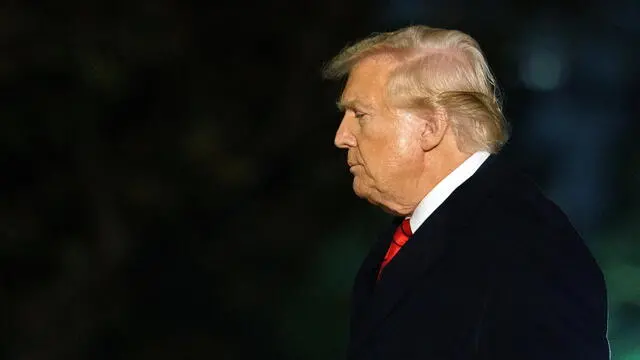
(170, 190)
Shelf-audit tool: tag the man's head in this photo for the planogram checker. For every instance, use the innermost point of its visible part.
(418, 102)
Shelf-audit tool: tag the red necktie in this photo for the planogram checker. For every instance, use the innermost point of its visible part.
(400, 237)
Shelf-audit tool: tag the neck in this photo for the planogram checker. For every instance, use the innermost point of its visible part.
(438, 163)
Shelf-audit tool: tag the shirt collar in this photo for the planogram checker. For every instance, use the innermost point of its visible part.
(445, 187)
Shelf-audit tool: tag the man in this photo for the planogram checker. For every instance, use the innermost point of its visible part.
(478, 263)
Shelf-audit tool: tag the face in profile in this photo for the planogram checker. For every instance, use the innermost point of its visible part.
(382, 142)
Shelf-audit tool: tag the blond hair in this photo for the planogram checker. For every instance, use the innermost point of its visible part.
(437, 70)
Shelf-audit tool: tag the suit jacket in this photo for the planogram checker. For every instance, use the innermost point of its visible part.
(496, 272)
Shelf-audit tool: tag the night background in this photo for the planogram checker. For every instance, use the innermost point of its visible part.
(170, 188)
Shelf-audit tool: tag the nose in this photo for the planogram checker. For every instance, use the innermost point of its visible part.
(344, 136)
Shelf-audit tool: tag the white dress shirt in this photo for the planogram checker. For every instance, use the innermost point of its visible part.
(444, 188)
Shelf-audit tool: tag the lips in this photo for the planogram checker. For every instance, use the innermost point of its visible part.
(353, 167)
(352, 160)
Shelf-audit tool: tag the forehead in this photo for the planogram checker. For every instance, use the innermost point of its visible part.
(367, 79)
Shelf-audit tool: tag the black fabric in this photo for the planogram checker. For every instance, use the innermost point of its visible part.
(496, 272)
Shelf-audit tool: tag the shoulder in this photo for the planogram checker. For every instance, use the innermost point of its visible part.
(516, 221)
(515, 202)
(524, 232)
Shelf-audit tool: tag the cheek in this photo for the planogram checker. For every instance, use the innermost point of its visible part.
(377, 158)
(386, 151)
(406, 150)
(407, 135)
(405, 145)
(401, 161)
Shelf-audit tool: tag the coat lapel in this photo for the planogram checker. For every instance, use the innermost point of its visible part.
(418, 255)
(365, 281)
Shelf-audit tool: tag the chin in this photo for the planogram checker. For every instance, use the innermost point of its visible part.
(374, 201)
(360, 190)
(373, 197)
(365, 193)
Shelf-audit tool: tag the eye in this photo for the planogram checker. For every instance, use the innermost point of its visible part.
(359, 114)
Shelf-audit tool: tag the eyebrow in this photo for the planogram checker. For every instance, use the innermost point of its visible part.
(351, 104)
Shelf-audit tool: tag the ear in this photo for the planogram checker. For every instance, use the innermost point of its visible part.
(435, 126)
